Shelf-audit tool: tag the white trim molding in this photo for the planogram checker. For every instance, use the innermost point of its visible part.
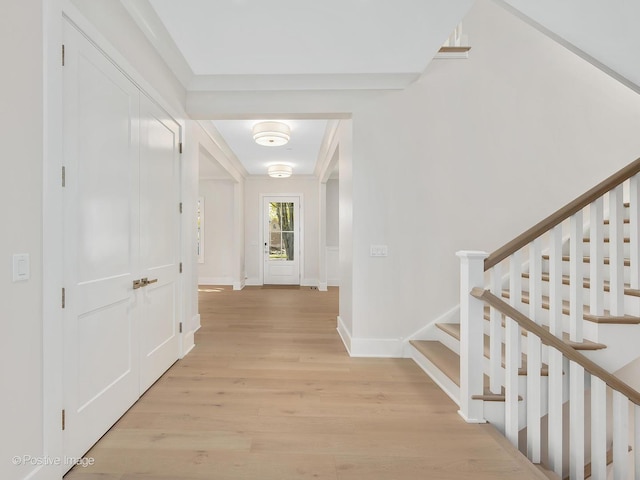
(344, 334)
(215, 281)
(377, 347)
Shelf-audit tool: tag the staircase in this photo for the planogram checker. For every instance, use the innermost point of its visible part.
(544, 323)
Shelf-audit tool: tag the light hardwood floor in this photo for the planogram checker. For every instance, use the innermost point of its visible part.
(269, 393)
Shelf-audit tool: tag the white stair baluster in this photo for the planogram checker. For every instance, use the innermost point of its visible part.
(515, 295)
(576, 421)
(512, 351)
(598, 428)
(596, 254)
(511, 381)
(634, 230)
(636, 440)
(471, 336)
(534, 364)
(555, 417)
(555, 281)
(495, 334)
(620, 436)
(616, 251)
(576, 278)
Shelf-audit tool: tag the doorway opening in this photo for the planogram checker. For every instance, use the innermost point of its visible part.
(282, 245)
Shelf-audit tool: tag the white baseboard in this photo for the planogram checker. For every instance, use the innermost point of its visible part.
(344, 334)
(195, 322)
(377, 347)
(322, 286)
(188, 342)
(253, 282)
(370, 347)
(333, 282)
(215, 281)
(239, 285)
(309, 282)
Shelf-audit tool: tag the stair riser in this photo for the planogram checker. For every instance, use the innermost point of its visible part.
(586, 270)
(622, 341)
(606, 249)
(607, 230)
(631, 303)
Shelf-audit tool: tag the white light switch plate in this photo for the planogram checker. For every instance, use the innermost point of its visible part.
(379, 251)
(21, 268)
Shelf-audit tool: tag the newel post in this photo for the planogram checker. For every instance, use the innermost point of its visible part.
(471, 336)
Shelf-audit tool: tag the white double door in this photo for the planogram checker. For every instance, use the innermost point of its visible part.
(121, 225)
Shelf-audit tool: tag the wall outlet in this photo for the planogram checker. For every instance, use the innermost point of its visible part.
(379, 250)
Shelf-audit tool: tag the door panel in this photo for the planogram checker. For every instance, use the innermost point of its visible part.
(100, 215)
(159, 241)
(121, 223)
(282, 240)
(99, 338)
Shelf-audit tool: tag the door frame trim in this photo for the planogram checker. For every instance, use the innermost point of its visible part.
(300, 197)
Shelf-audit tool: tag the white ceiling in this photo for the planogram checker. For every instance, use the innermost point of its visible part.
(257, 45)
(606, 31)
(275, 37)
(301, 152)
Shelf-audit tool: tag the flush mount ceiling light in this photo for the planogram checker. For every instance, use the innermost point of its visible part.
(271, 134)
(279, 171)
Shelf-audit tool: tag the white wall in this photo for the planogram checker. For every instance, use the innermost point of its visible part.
(259, 185)
(345, 212)
(218, 267)
(21, 133)
(468, 157)
(333, 214)
(120, 30)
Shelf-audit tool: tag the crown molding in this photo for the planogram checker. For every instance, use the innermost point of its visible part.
(302, 82)
(152, 27)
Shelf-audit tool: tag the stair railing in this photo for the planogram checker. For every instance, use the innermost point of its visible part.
(543, 243)
(623, 395)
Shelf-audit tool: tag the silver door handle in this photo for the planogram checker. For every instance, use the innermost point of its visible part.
(145, 281)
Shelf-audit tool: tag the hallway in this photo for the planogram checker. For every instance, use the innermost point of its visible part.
(269, 393)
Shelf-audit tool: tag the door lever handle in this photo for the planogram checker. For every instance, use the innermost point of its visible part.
(137, 284)
(145, 281)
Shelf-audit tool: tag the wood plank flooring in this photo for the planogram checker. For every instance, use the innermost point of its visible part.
(269, 393)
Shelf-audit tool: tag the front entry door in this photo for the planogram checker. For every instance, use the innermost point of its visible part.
(282, 240)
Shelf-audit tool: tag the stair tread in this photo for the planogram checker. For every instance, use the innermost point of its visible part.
(586, 283)
(587, 259)
(448, 362)
(453, 329)
(606, 240)
(566, 338)
(607, 222)
(442, 357)
(606, 317)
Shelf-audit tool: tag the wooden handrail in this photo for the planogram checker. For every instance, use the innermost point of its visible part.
(553, 341)
(562, 214)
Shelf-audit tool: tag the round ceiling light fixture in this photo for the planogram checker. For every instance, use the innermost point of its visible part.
(279, 171)
(271, 134)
